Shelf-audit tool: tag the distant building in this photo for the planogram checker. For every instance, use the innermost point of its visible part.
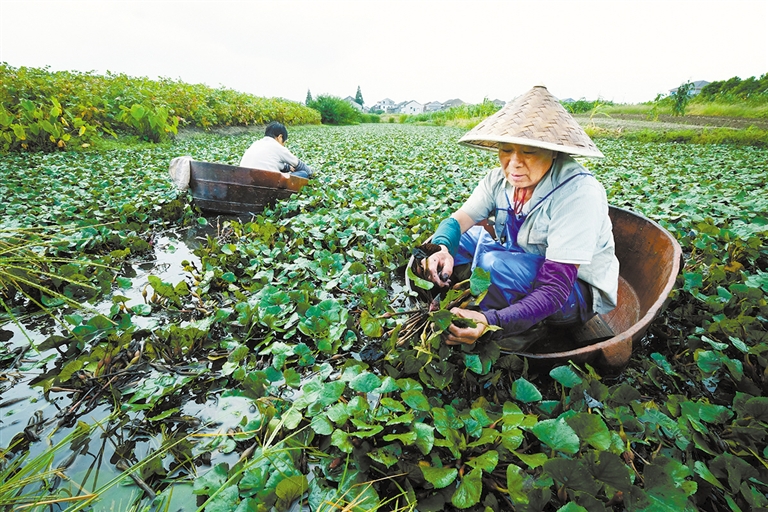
(410, 107)
(356, 105)
(698, 85)
(433, 106)
(453, 103)
(499, 103)
(385, 105)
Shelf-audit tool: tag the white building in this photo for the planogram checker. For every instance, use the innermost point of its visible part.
(411, 107)
(351, 101)
(385, 105)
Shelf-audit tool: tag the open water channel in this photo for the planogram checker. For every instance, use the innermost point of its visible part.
(38, 419)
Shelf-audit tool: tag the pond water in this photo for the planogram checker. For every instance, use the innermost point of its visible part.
(26, 412)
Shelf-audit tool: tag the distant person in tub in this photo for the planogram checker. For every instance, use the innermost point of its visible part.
(552, 260)
(270, 154)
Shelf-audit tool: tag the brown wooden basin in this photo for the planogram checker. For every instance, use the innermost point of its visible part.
(235, 190)
(649, 259)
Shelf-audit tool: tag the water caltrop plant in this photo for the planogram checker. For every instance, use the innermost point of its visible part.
(291, 365)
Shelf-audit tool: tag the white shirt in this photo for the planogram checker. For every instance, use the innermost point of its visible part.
(269, 155)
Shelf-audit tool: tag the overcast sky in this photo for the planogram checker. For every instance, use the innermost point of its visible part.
(625, 51)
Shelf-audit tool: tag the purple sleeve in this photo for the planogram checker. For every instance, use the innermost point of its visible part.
(551, 288)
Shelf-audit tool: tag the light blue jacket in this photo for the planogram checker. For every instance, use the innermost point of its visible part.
(569, 226)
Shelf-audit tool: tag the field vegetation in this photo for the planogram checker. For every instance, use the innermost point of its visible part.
(46, 110)
(334, 110)
(296, 314)
(280, 365)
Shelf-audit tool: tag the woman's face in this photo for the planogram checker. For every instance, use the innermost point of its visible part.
(525, 166)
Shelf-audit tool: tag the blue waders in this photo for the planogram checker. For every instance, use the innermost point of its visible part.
(513, 271)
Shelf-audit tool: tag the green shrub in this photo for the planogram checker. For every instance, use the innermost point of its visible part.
(370, 118)
(582, 106)
(334, 110)
(151, 123)
(44, 110)
(680, 98)
(42, 127)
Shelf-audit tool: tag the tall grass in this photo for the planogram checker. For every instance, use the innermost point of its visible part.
(741, 109)
(744, 110)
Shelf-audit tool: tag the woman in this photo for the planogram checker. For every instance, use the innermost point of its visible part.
(553, 255)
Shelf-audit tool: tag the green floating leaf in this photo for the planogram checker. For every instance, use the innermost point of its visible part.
(416, 400)
(416, 280)
(408, 438)
(388, 455)
(516, 485)
(592, 429)
(469, 490)
(565, 376)
(525, 391)
(223, 499)
(425, 437)
(572, 474)
(512, 415)
(487, 461)
(480, 281)
(572, 507)
(439, 477)
(533, 460)
(372, 326)
(291, 418)
(558, 435)
(340, 439)
(701, 469)
(212, 480)
(291, 488)
(322, 425)
(476, 364)
(609, 469)
(142, 309)
(365, 382)
(124, 283)
(666, 486)
(757, 407)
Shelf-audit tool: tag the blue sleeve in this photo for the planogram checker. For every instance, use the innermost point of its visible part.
(448, 233)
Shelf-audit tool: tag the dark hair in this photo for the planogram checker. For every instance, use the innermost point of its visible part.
(274, 129)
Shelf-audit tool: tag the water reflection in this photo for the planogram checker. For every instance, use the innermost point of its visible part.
(33, 418)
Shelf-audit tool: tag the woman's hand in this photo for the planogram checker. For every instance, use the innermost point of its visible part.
(438, 268)
(468, 335)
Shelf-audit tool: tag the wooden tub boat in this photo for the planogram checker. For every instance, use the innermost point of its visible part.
(236, 190)
(649, 259)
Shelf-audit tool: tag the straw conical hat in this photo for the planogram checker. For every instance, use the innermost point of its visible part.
(534, 119)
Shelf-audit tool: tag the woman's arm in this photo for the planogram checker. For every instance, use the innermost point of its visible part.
(551, 288)
(438, 268)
